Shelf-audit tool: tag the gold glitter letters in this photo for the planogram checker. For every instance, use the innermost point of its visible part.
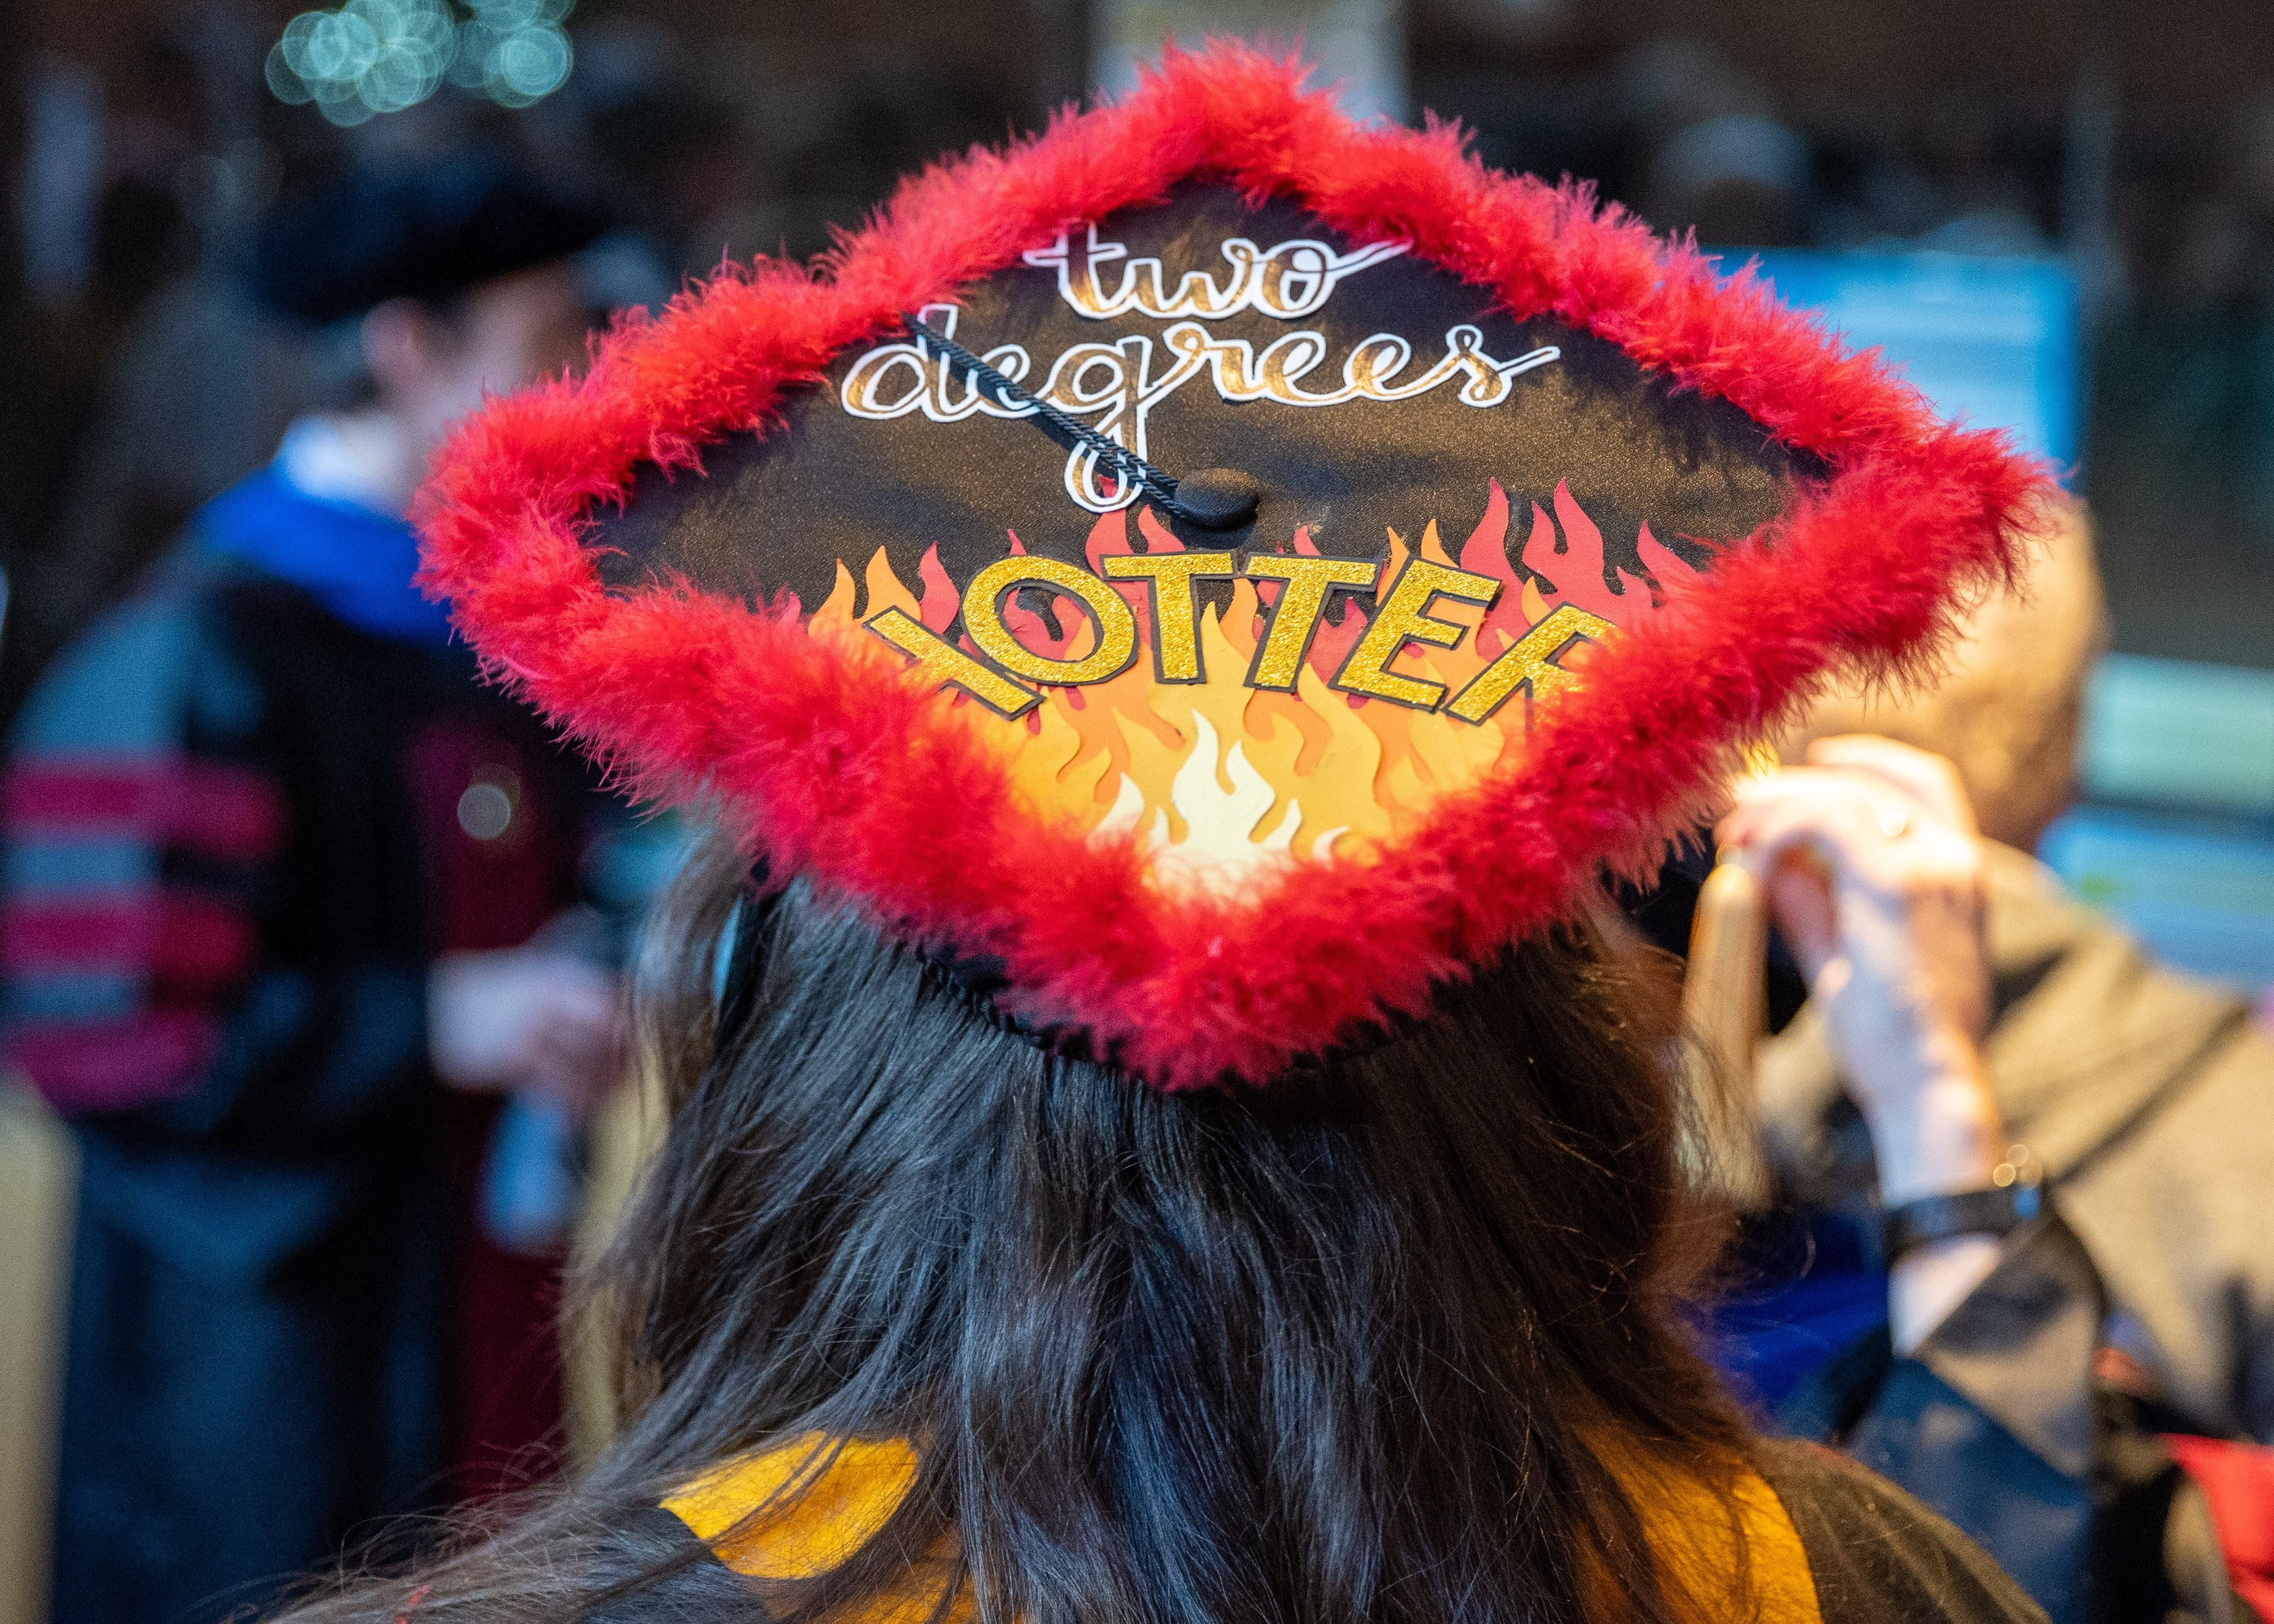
(941, 662)
(1295, 617)
(1404, 617)
(1176, 618)
(1530, 662)
(983, 619)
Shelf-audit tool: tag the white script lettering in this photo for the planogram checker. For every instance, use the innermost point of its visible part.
(1115, 384)
(1287, 281)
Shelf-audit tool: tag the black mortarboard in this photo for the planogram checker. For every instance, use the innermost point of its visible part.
(1226, 567)
(423, 232)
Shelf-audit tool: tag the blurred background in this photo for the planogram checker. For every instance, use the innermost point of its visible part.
(2058, 214)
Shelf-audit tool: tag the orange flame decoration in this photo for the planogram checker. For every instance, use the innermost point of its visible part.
(1216, 777)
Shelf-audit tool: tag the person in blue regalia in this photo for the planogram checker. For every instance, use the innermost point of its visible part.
(293, 942)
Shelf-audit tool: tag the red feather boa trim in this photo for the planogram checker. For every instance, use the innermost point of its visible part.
(836, 762)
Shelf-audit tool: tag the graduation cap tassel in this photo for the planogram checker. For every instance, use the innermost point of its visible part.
(1127, 464)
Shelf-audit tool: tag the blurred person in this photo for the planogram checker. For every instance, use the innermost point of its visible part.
(277, 867)
(2006, 705)
(2020, 1388)
(196, 354)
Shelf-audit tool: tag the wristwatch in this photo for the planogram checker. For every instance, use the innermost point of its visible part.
(2015, 1196)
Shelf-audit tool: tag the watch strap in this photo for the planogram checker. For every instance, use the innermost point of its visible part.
(1998, 1211)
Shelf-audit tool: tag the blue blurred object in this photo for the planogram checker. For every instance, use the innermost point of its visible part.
(532, 1176)
(2198, 895)
(358, 564)
(2178, 766)
(2181, 734)
(1994, 342)
(1813, 1284)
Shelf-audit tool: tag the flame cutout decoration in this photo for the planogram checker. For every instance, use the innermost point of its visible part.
(1578, 566)
(1221, 850)
(1318, 772)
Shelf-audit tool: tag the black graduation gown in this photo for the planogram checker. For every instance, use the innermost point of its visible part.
(261, 1322)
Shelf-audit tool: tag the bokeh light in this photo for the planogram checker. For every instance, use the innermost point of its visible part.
(372, 56)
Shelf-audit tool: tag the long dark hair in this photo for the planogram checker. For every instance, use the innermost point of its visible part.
(1332, 1350)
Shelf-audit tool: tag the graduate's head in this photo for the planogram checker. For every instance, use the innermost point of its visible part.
(1171, 1356)
(1175, 622)
(459, 274)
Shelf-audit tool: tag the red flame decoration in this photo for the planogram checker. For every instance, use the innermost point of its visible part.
(1665, 566)
(941, 600)
(1577, 572)
(1486, 553)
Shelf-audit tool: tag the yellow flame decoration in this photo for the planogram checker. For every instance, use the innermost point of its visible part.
(1216, 777)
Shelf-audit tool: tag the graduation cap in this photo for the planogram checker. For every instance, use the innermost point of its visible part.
(1222, 568)
(424, 230)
